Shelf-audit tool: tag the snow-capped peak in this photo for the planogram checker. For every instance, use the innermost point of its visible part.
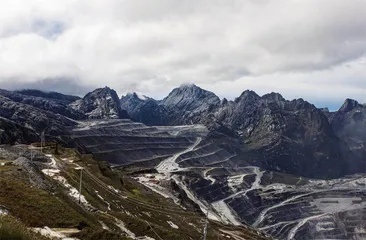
(138, 95)
(141, 97)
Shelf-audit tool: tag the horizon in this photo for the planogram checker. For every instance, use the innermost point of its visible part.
(332, 107)
(310, 49)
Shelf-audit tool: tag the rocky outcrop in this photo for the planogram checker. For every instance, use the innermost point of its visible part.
(53, 102)
(102, 103)
(188, 103)
(144, 109)
(349, 124)
(11, 133)
(33, 118)
(55, 96)
(288, 136)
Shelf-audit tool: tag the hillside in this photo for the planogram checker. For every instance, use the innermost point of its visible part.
(113, 205)
(256, 165)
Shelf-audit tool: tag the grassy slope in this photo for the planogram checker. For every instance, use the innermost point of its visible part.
(141, 210)
(10, 228)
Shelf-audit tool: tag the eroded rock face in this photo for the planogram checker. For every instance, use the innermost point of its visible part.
(55, 96)
(349, 124)
(34, 118)
(144, 109)
(288, 136)
(102, 103)
(53, 102)
(11, 133)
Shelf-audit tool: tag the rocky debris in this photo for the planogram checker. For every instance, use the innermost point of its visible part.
(34, 171)
(102, 103)
(13, 152)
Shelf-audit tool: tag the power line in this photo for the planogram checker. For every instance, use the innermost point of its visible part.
(80, 183)
(42, 140)
(206, 226)
(153, 230)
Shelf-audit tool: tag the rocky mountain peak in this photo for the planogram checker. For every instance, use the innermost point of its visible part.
(247, 95)
(136, 96)
(192, 90)
(273, 97)
(190, 97)
(100, 104)
(348, 105)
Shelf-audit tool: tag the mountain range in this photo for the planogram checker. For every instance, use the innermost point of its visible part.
(262, 161)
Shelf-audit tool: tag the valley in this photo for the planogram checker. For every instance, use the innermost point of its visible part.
(281, 205)
(258, 167)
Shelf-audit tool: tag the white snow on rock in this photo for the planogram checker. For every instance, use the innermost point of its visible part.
(130, 234)
(3, 212)
(104, 226)
(73, 192)
(50, 233)
(172, 225)
(101, 198)
(113, 189)
(51, 172)
(141, 97)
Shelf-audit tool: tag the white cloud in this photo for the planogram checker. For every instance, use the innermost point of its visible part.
(312, 49)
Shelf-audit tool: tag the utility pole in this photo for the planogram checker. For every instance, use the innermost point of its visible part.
(81, 179)
(31, 153)
(205, 228)
(42, 140)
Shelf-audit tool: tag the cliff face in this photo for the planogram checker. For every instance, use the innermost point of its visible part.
(102, 103)
(281, 135)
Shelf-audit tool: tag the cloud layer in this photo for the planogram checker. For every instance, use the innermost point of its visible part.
(312, 49)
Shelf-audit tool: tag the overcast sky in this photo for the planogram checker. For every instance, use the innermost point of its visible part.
(314, 49)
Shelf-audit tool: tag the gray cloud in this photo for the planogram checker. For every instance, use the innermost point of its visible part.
(312, 49)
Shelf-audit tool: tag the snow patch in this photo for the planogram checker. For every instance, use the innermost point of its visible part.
(50, 233)
(108, 204)
(73, 192)
(104, 226)
(113, 189)
(3, 212)
(172, 225)
(140, 96)
(130, 234)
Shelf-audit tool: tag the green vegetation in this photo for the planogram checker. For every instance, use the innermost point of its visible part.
(35, 206)
(119, 201)
(12, 229)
